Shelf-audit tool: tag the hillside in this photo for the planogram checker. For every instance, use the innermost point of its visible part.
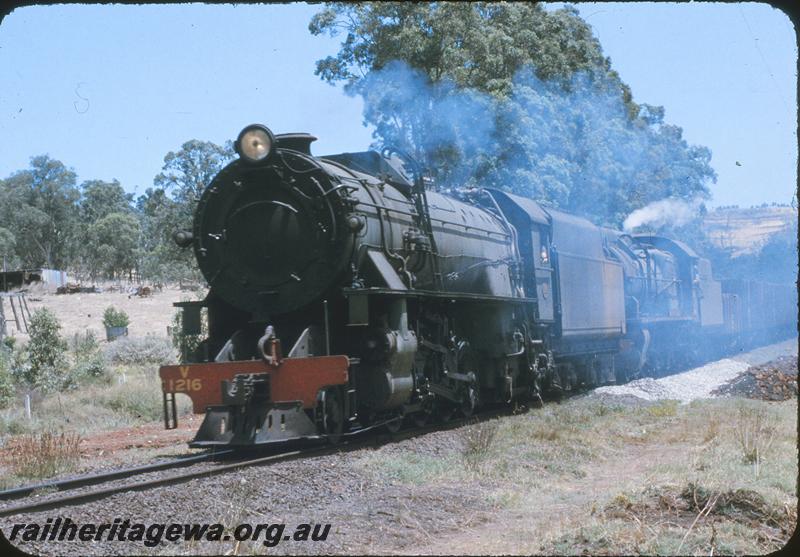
(745, 230)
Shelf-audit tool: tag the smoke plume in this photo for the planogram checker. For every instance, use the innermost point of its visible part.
(675, 212)
(571, 146)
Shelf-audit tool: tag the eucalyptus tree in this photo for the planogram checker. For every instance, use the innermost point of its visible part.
(39, 206)
(509, 95)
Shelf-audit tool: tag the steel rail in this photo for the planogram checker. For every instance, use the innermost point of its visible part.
(79, 498)
(92, 479)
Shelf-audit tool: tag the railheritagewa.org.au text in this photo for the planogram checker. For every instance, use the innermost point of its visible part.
(64, 529)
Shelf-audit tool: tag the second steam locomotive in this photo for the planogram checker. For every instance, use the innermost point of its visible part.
(344, 294)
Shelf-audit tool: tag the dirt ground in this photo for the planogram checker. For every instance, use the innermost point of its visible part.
(84, 311)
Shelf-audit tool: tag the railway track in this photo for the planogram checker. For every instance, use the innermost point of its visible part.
(358, 441)
(92, 479)
(69, 499)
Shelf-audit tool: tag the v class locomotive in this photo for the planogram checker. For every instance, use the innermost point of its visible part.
(344, 294)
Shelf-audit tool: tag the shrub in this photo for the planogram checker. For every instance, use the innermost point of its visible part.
(142, 350)
(46, 351)
(91, 367)
(83, 345)
(663, 409)
(6, 380)
(134, 399)
(46, 454)
(19, 365)
(115, 318)
(187, 345)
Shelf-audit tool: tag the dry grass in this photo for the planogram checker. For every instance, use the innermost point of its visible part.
(477, 441)
(712, 429)
(696, 518)
(149, 350)
(573, 477)
(755, 431)
(664, 409)
(84, 312)
(703, 497)
(45, 454)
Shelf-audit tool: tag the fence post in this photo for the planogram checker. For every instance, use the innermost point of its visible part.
(2, 318)
(28, 406)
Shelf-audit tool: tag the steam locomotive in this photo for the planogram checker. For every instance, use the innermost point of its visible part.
(345, 295)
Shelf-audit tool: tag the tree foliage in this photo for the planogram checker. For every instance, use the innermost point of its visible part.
(169, 207)
(112, 244)
(99, 199)
(40, 206)
(161, 259)
(8, 249)
(513, 96)
(477, 45)
(97, 229)
(188, 171)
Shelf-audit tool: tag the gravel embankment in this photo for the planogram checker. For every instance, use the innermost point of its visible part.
(700, 382)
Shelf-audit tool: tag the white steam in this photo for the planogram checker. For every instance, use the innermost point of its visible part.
(675, 212)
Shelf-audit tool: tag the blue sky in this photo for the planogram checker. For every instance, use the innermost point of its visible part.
(110, 89)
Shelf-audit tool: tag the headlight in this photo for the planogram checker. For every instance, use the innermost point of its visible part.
(255, 143)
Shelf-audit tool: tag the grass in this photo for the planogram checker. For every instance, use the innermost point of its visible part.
(707, 498)
(716, 455)
(45, 454)
(558, 441)
(590, 476)
(755, 432)
(663, 409)
(133, 397)
(477, 443)
(409, 468)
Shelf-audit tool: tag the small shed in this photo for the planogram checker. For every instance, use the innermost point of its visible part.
(51, 279)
